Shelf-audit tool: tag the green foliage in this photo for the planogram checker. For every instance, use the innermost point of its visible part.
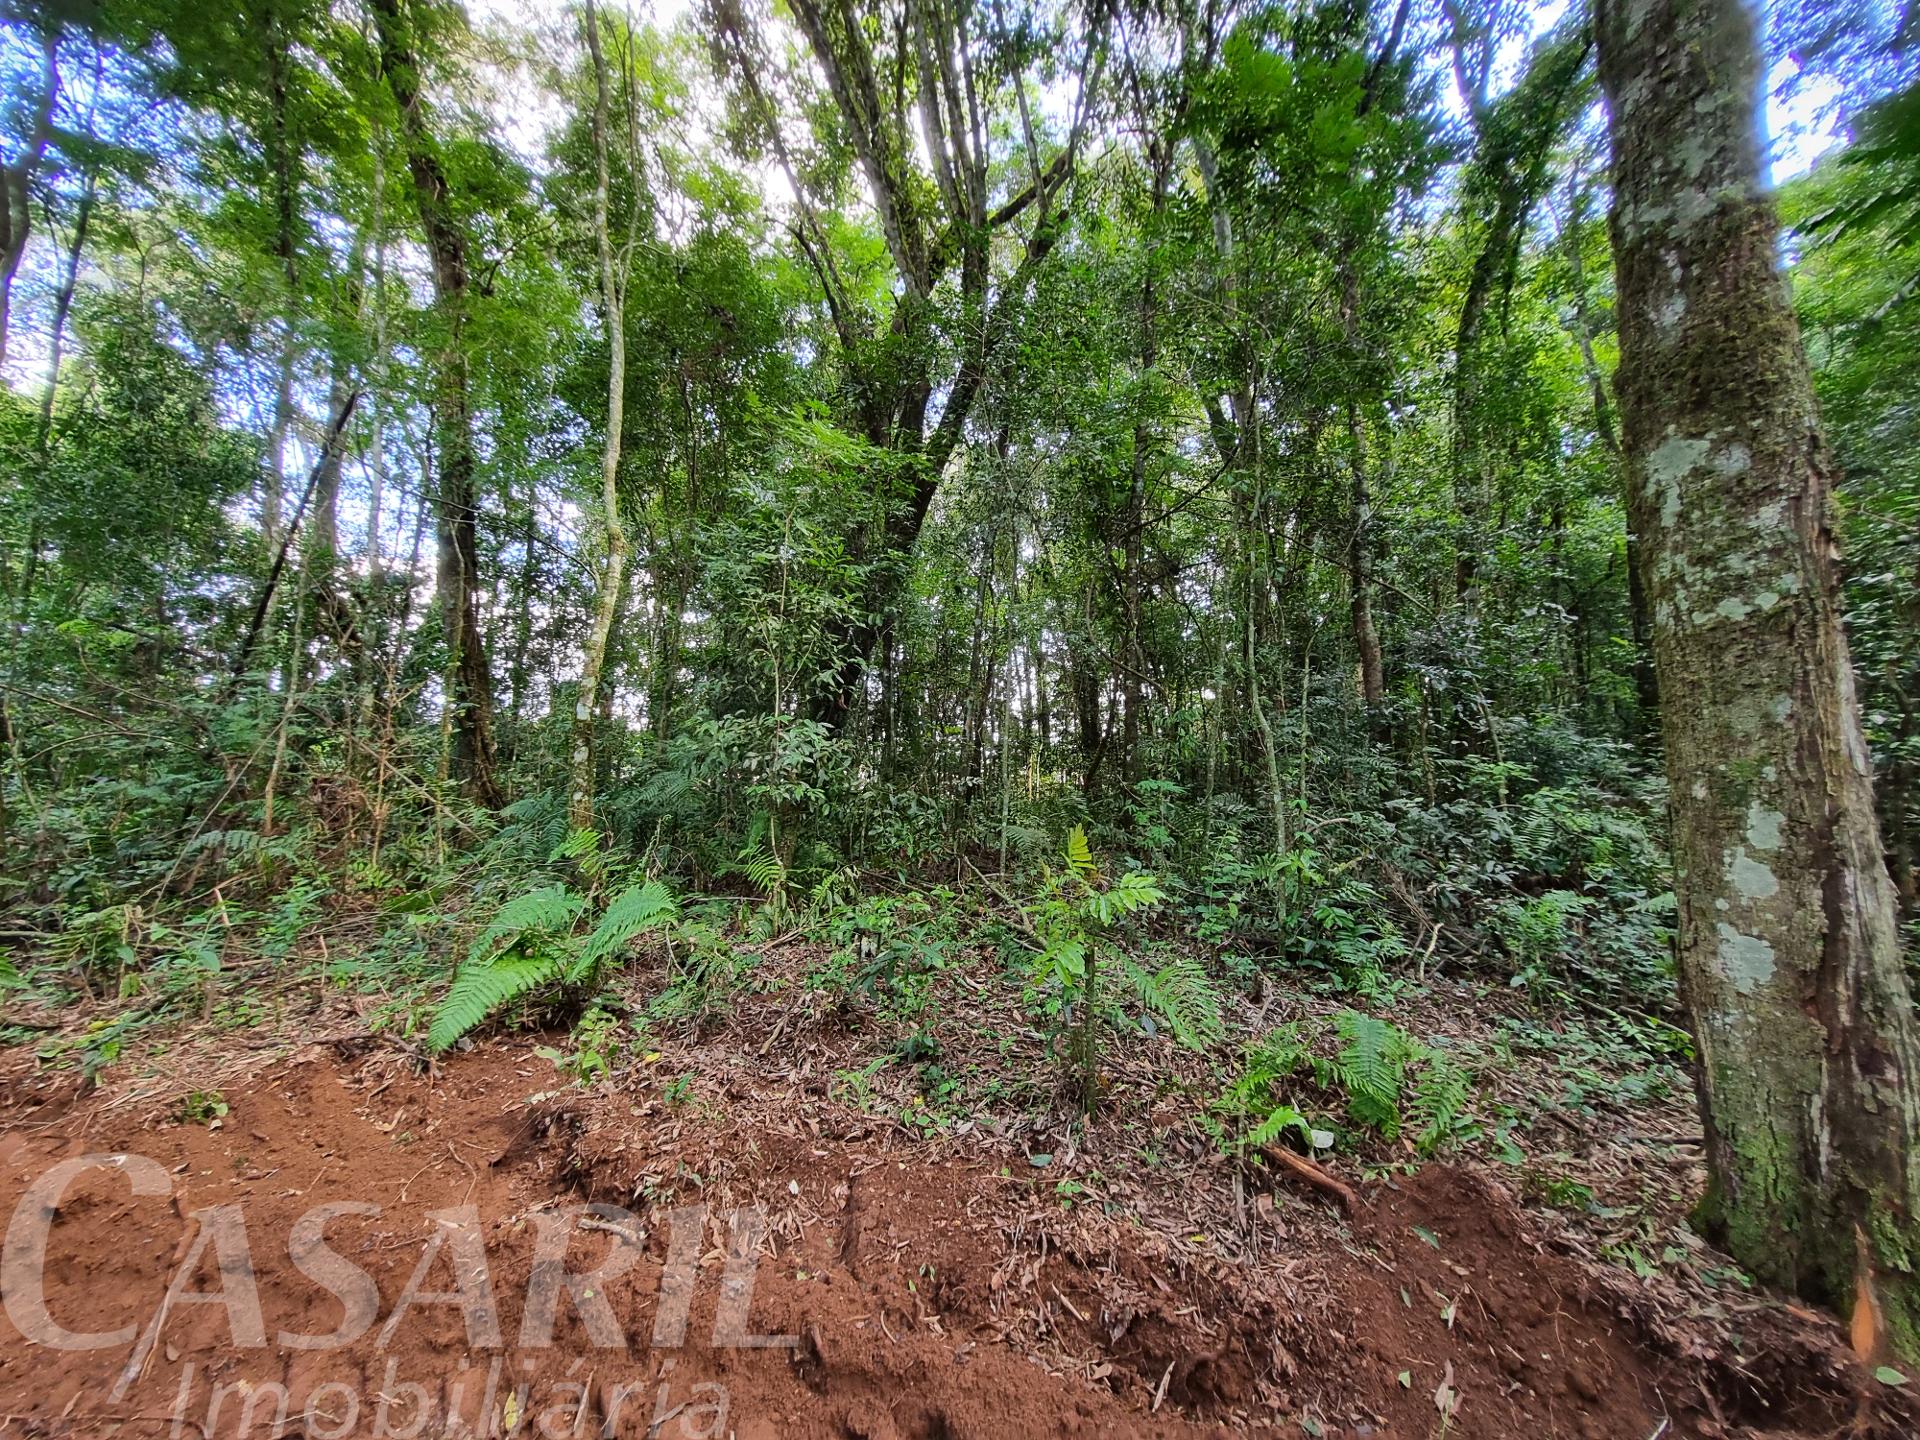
(1183, 995)
(1078, 911)
(535, 916)
(201, 1107)
(1385, 1077)
(632, 912)
(528, 945)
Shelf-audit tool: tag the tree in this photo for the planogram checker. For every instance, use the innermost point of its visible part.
(615, 268)
(1515, 139)
(1809, 1065)
(469, 674)
(18, 173)
(938, 227)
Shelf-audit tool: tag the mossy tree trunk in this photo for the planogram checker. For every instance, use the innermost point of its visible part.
(614, 271)
(1789, 958)
(456, 505)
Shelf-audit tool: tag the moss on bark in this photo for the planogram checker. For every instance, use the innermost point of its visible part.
(1789, 956)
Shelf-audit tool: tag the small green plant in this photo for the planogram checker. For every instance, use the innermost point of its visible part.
(1386, 1076)
(1078, 907)
(531, 944)
(596, 1047)
(201, 1107)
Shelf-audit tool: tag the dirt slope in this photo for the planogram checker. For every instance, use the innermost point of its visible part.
(929, 1293)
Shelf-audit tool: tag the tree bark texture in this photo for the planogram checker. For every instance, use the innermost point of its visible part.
(1790, 962)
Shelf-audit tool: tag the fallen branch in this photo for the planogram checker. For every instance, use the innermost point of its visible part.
(1304, 1169)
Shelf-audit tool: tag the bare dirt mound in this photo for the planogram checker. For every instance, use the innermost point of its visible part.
(827, 1278)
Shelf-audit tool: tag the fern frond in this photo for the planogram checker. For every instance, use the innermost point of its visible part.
(550, 908)
(1439, 1099)
(665, 789)
(582, 842)
(763, 868)
(1031, 841)
(1183, 995)
(635, 909)
(1276, 1124)
(481, 989)
(1080, 853)
(1372, 1066)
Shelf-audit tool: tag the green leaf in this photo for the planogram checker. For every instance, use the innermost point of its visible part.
(1887, 1375)
(634, 910)
(1277, 1124)
(550, 908)
(479, 990)
(1080, 853)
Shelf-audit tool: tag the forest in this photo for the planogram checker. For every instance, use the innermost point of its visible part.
(1213, 704)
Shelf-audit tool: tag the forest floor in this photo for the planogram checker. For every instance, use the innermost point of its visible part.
(946, 1257)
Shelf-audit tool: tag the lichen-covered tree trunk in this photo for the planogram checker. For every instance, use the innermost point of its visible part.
(613, 571)
(1789, 957)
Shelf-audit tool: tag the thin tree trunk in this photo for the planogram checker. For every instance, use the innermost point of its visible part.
(1809, 1064)
(613, 280)
(1646, 686)
(63, 306)
(375, 298)
(1366, 636)
(1144, 439)
(1269, 751)
(273, 496)
(470, 680)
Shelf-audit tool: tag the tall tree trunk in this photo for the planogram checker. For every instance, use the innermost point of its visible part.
(520, 654)
(470, 678)
(613, 283)
(1145, 438)
(1809, 1065)
(274, 491)
(1366, 636)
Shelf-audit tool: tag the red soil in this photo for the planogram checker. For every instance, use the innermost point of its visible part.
(933, 1295)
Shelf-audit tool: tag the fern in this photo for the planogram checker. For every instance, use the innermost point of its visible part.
(1387, 1076)
(1439, 1100)
(1080, 854)
(761, 866)
(1181, 994)
(529, 945)
(636, 909)
(1031, 841)
(1277, 1123)
(1372, 1067)
(582, 847)
(481, 989)
(550, 908)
